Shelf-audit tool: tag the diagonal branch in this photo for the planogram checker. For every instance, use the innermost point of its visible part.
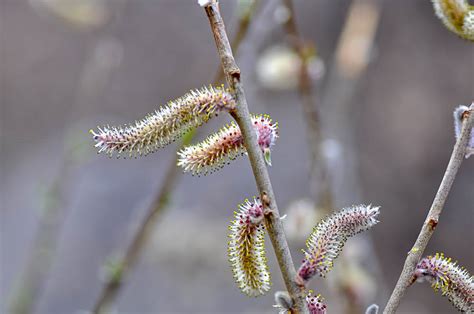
(431, 221)
(242, 117)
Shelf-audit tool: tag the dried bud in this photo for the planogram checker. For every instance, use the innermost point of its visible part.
(458, 117)
(457, 16)
(330, 235)
(454, 281)
(166, 124)
(219, 148)
(247, 249)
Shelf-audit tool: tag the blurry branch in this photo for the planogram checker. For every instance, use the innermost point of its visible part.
(319, 178)
(133, 251)
(31, 282)
(104, 55)
(160, 199)
(431, 221)
(352, 59)
(241, 115)
(353, 54)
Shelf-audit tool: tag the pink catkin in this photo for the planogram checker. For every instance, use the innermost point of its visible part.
(328, 237)
(454, 281)
(226, 145)
(315, 304)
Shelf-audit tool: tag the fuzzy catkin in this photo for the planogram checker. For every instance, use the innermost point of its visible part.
(226, 145)
(165, 125)
(454, 281)
(457, 16)
(329, 236)
(247, 249)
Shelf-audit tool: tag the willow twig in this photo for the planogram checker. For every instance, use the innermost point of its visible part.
(241, 115)
(160, 199)
(431, 221)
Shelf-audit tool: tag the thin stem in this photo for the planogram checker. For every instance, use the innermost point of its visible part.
(319, 175)
(431, 221)
(160, 199)
(157, 206)
(242, 117)
(30, 284)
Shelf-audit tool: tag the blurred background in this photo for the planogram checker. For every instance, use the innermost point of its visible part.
(384, 82)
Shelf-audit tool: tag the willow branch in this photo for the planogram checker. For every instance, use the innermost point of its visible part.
(160, 199)
(431, 221)
(242, 117)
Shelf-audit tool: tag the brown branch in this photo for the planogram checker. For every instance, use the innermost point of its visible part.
(159, 204)
(432, 218)
(242, 117)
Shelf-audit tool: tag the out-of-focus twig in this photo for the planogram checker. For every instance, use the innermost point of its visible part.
(241, 115)
(319, 178)
(29, 286)
(431, 221)
(160, 200)
(103, 56)
(336, 145)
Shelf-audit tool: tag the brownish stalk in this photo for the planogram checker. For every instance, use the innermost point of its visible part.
(159, 201)
(431, 221)
(242, 117)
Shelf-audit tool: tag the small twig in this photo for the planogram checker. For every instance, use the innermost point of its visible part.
(112, 286)
(242, 117)
(431, 220)
(30, 283)
(319, 174)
